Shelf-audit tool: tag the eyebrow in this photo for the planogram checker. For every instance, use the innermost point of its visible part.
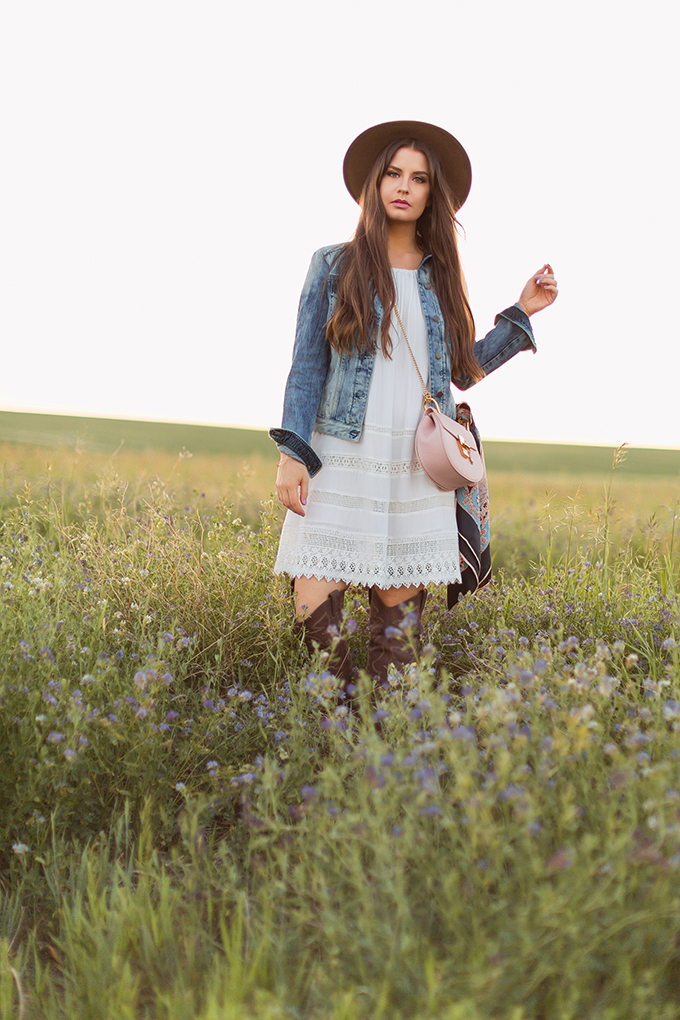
(420, 173)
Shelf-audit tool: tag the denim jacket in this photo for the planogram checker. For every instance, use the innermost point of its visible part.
(327, 391)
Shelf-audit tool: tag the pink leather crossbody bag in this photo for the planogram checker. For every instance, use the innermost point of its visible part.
(446, 450)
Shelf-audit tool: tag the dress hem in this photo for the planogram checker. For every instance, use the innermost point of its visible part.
(379, 580)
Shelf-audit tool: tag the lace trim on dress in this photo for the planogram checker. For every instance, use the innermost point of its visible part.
(387, 431)
(329, 568)
(381, 506)
(353, 462)
(370, 560)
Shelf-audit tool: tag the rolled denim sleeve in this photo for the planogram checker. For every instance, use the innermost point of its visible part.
(511, 334)
(308, 370)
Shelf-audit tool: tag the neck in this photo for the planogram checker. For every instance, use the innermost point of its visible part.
(402, 248)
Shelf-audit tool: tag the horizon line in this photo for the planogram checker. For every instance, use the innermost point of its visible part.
(264, 428)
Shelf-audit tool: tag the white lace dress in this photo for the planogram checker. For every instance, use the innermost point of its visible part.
(373, 517)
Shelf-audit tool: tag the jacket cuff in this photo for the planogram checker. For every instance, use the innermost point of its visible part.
(519, 317)
(292, 444)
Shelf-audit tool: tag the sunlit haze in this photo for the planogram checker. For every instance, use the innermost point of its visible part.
(169, 168)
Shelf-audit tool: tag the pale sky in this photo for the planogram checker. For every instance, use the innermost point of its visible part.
(168, 168)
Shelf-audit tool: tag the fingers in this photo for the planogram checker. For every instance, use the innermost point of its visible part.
(545, 277)
(295, 503)
(292, 485)
(546, 282)
(539, 291)
(290, 497)
(291, 501)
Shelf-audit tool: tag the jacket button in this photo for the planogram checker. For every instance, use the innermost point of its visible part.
(438, 355)
(435, 318)
(440, 394)
(358, 395)
(427, 286)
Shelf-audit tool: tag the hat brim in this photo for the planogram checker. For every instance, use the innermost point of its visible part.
(365, 148)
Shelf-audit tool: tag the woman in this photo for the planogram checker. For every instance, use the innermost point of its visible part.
(361, 510)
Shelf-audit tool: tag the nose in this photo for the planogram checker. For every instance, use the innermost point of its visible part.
(403, 187)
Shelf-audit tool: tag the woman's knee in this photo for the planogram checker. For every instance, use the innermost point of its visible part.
(311, 592)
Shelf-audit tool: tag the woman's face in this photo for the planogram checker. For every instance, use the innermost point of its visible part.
(405, 187)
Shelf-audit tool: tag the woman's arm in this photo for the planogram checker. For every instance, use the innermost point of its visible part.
(512, 330)
(308, 370)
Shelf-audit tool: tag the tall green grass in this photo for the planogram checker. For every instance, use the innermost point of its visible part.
(195, 825)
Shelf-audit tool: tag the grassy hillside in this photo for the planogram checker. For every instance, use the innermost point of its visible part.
(107, 434)
(563, 459)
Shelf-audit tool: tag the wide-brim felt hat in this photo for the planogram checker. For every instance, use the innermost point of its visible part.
(365, 148)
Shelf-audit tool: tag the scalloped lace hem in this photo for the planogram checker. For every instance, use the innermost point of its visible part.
(330, 568)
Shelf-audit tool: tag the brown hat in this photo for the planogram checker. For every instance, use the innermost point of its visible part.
(365, 148)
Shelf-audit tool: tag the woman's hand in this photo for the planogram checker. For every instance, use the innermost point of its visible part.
(540, 291)
(292, 484)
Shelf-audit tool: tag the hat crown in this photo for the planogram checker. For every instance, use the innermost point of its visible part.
(366, 147)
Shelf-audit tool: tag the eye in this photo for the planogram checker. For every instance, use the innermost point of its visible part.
(391, 173)
(420, 180)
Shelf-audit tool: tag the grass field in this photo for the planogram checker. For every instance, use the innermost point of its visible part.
(107, 435)
(540, 492)
(195, 827)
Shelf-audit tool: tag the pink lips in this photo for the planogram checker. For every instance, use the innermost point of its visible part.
(401, 204)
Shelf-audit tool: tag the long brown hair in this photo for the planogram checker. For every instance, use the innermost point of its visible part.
(365, 270)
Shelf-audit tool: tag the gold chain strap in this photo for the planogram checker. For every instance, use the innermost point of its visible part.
(464, 449)
(427, 396)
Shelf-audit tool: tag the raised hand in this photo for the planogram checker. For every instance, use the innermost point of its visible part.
(540, 291)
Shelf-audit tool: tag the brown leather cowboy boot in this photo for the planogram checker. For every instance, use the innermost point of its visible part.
(314, 630)
(393, 648)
